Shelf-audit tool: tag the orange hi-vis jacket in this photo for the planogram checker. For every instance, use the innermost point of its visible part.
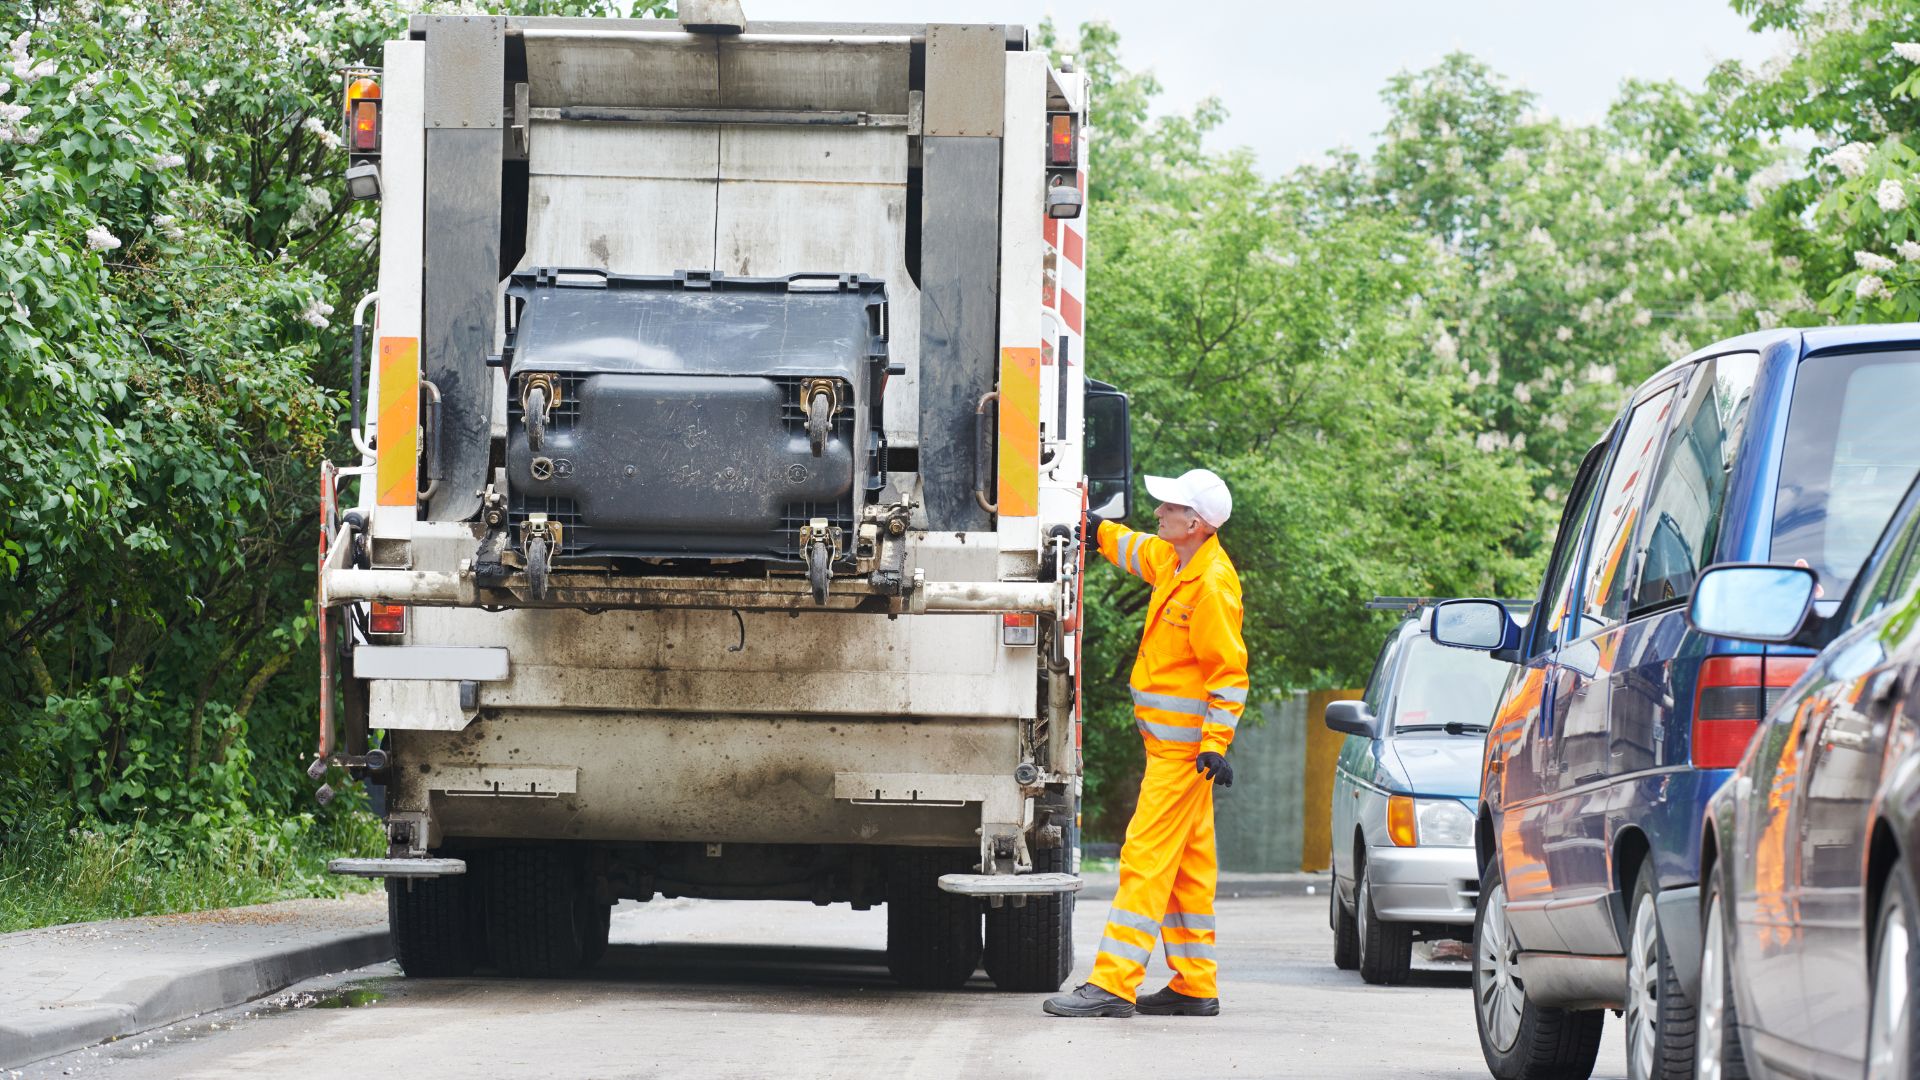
(1189, 681)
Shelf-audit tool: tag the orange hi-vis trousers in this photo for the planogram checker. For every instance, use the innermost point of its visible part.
(1167, 874)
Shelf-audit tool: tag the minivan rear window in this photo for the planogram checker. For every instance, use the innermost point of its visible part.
(1852, 449)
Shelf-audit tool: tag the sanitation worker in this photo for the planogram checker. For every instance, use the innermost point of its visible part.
(1189, 685)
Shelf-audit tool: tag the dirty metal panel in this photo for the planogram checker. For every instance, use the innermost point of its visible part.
(850, 186)
(966, 79)
(634, 199)
(473, 663)
(539, 781)
(822, 74)
(789, 694)
(466, 66)
(716, 779)
(913, 787)
(415, 706)
(622, 72)
(462, 280)
(959, 310)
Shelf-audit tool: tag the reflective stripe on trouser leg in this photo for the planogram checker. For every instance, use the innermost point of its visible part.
(1189, 921)
(1175, 807)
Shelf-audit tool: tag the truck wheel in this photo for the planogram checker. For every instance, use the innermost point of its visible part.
(533, 912)
(1521, 1040)
(431, 922)
(595, 920)
(1386, 948)
(1346, 930)
(933, 937)
(1030, 948)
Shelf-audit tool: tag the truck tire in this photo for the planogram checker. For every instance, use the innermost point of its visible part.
(430, 920)
(933, 937)
(533, 912)
(596, 925)
(1029, 949)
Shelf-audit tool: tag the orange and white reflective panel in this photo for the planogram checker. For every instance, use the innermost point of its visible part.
(1019, 482)
(397, 469)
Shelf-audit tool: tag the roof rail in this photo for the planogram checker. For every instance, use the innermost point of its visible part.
(1415, 603)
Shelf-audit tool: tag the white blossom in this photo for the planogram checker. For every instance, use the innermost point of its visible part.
(1869, 287)
(328, 137)
(1909, 250)
(1908, 51)
(5, 88)
(99, 239)
(1851, 159)
(27, 136)
(1565, 333)
(1446, 347)
(1872, 263)
(169, 227)
(1600, 374)
(13, 114)
(1891, 196)
(168, 161)
(1522, 394)
(210, 88)
(1641, 317)
(316, 313)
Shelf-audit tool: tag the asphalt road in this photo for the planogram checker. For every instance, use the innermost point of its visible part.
(716, 989)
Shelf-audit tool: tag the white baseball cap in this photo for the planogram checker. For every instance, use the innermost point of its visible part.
(1198, 488)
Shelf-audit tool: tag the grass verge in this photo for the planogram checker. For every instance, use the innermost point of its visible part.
(52, 874)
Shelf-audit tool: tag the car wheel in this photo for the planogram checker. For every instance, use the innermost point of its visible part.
(1386, 948)
(1716, 1045)
(1518, 1039)
(1659, 1019)
(1890, 1024)
(1346, 934)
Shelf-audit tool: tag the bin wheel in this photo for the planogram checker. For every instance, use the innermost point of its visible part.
(818, 572)
(819, 423)
(537, 567)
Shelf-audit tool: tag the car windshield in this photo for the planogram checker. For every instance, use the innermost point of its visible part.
(1852, 449)
(1441, 686)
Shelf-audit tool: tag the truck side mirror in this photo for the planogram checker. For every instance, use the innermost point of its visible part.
(1109, 452)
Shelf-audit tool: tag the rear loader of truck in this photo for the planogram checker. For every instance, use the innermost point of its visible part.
(723, 430)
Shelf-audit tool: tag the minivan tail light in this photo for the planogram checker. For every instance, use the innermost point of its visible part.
(386, 618)
(1733, 696)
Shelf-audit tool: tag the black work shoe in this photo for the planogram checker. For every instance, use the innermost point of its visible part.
(1171, 1002)
(1088, 1000)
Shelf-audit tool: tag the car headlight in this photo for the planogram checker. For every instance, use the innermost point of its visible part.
(1443, 823)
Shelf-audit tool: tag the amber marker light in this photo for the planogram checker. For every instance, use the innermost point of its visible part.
(1400, 821)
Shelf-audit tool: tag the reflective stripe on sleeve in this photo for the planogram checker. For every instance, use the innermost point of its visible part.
(1139, 954)
(1133, 542)
(1169, 702)
(1132, 920)
(1167, 732)
(1235, 694)
(1186, 920)
(1223, 718)
(1192, 950)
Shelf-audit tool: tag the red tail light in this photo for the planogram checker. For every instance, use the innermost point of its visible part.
(387, 619)
(1061, 135)
(1734, 693)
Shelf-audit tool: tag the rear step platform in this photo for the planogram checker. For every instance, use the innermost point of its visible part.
(397, 868)
(1010, 884)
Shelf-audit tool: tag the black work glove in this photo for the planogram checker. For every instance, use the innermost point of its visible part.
(1215, 768)
(1090, 536)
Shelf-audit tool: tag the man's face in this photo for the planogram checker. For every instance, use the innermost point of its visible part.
(1179, 524)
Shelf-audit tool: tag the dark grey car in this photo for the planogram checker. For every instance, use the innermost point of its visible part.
(1812, 908)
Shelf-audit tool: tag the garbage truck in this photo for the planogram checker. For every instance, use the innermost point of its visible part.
(722, 426)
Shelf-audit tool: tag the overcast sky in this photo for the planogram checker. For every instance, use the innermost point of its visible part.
(1301, 78)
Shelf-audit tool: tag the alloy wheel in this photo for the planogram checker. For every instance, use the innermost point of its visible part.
(1888, 1042)
(1712, 1017)
(1499, 992)
(1643, 993)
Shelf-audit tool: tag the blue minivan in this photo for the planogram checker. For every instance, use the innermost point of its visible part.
(1620, 720)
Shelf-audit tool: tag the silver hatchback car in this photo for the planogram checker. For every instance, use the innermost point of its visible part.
(1405, 795)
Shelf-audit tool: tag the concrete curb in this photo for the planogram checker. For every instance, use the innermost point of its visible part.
(157, 1000)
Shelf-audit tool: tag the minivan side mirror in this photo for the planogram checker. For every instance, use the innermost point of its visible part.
(1109, 452)
(1752, 601)
(1482, 625)
(1352, 718)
